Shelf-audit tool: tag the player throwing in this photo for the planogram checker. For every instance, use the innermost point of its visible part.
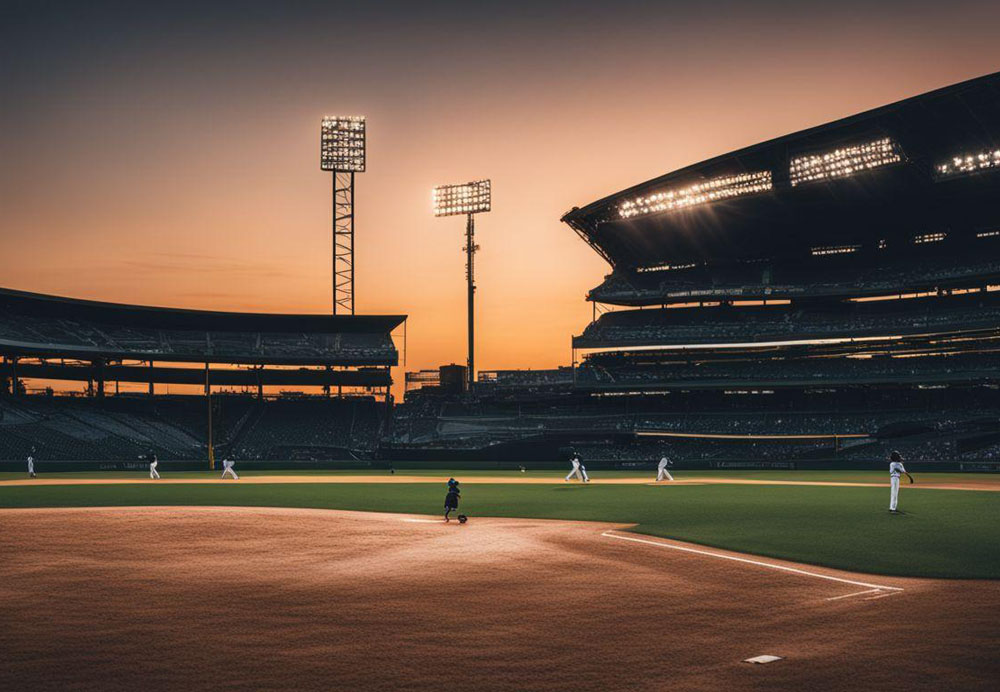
(895, 469)
(153, 463)
(31, 463)
(661, 470)
(575, 470)
(228, 469)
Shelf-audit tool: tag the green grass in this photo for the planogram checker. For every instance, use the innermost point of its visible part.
(880, 477)
(952, 534)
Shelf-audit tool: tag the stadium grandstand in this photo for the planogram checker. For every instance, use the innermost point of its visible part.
(262, 386)
(823, 296)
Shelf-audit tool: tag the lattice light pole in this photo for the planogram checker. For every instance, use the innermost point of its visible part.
(469, 199)
(342, 151)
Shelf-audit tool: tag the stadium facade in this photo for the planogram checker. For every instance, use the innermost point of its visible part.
(826, 295)
(52, 339)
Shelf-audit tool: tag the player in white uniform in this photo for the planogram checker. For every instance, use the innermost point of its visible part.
(228, 464)
(31, 463)
(583, 471)
(661, 469)
(895, 469)
(153, 463)
(575, 471)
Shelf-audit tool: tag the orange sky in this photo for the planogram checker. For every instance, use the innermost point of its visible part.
(182, 169)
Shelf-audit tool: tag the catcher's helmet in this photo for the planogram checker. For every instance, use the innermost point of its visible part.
(462, 518)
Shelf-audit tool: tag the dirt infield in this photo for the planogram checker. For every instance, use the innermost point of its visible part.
(262, 598)
(988, 485)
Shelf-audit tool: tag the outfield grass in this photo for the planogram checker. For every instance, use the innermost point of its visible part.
(879, 477)
(951, 534)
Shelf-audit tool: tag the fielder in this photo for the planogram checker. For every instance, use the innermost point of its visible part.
(661, 470)
(228, 468)
(31, 464)
(153, 463)
(583, 472)
(451, 501)
(895, 468)
(575, 471)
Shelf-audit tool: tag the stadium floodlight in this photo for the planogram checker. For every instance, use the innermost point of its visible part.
(968, 163)
(469, 199)
(711, 190)
(844, 162)
(342, 152)
(342, 144)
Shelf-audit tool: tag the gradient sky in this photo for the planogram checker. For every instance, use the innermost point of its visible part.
(167, 153)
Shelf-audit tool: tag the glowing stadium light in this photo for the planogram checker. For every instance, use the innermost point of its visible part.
(467, 198)
(342, 144)
(968, 163)
(711, 190)
(835, 250)
(666, 267)
(988, 234)
(929, 238)
(845, 161)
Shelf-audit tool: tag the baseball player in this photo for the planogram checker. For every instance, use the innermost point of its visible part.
(451, 500)
(895, 468)
(153, 462)
(583, 470)
(228, 468)
(31, 464)
(575, 471)
(661, 470)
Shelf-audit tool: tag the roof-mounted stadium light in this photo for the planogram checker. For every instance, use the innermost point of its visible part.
(469, 199)
(342, 151)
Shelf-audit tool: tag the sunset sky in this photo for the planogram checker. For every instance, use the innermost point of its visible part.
(167, 153)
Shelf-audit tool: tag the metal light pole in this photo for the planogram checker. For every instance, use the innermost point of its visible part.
(342, 151)
(469, 199)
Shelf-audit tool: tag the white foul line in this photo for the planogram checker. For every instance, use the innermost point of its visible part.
(425, 521)
(856, 593)
(752, 562)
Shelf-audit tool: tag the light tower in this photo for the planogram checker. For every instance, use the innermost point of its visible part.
(469, 199)
(342, 151)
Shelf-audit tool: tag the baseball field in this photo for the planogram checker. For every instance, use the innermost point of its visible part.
(348, 580)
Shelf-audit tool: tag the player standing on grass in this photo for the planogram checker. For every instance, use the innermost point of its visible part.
(31, 463)
(228, 468)
(661, 469)
(895, 468)
(575, 471)
(153, 463)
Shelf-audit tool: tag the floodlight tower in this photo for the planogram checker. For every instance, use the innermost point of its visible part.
(469, 199)
(342, 151)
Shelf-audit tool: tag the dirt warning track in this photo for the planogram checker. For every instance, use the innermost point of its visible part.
(263, 598)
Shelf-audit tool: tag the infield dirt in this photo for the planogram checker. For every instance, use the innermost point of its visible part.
(263, 598)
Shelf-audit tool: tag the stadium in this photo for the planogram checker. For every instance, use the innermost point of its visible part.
(264, 362)
(814, 300)
(776, 323)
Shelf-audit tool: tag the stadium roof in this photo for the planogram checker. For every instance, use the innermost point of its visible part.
(856, 179)
(33, 324)
(43, 305)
